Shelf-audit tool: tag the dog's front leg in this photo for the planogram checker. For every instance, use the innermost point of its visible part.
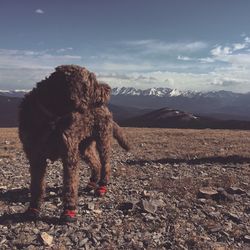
(37, 186)
(70, 178)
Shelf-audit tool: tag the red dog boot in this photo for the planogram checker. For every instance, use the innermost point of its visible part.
(101, 191)
(90, 186)
(68, 215)
(32, 213)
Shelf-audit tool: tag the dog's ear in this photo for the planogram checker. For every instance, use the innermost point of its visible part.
(102, 94)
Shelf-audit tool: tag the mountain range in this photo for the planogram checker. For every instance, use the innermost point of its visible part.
(217, 104)
(159, 107)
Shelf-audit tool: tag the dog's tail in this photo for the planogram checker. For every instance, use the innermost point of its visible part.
(120, 136)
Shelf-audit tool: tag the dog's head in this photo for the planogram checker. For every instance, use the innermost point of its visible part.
(101, 94)
(74, 88)
(80, 84)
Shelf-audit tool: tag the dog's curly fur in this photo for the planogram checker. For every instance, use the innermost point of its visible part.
(66, 113)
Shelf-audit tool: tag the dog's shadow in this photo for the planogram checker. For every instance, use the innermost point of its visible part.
(8, 219)
(22, 195)
(231, 159)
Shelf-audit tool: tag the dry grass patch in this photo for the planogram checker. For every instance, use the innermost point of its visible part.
(9, 142)
(153, 144)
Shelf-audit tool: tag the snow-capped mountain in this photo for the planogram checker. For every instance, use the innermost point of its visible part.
(167, 92)
(14, 93)
(219, 104)
(159, 92)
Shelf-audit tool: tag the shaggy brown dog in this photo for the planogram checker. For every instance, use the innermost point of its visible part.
(63, 114)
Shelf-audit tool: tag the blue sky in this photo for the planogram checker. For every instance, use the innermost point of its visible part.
(198, 45)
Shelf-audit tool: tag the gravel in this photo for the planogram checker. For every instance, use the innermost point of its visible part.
(149, 205)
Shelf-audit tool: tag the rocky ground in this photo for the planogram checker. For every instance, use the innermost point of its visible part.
(177, 189)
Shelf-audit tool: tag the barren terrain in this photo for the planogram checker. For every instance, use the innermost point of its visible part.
(176, 189)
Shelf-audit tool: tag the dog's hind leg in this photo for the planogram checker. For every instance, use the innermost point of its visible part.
(104, 149)
(37, 186)
(93, 160)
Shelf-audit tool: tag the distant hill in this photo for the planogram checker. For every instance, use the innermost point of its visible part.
(9, 111)
(121, 113)
(170, 118)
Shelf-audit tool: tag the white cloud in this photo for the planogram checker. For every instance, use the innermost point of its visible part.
(142, 64)
(226, 82)
(219, 80)
(184, 58)
(157, 46)
(125, 67)
(39, 11)
(206, 60)
(223, 67)
(23, 68)
(33, 59)
(239, 46)
(63, 50)
(247, 39)
(221, 51)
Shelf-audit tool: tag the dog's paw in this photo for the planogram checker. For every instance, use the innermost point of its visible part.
(101, 191)
(68, 216)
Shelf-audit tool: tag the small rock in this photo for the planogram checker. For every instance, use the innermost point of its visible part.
(149, 206)
(183, 204)
(247, 210)
(233, 217)
(97, 211)
(236, 190)
(145, 194)
(215, 228)
(202, 201)
(35, 231)
(127, 206)
(215, 215)
(90, 206)
(207, 193)
(31, 247)
(223, 195)
(228, 226)
(247, 238)
(219, 247)
(46, 238)
(83, 242)
(174, 178)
